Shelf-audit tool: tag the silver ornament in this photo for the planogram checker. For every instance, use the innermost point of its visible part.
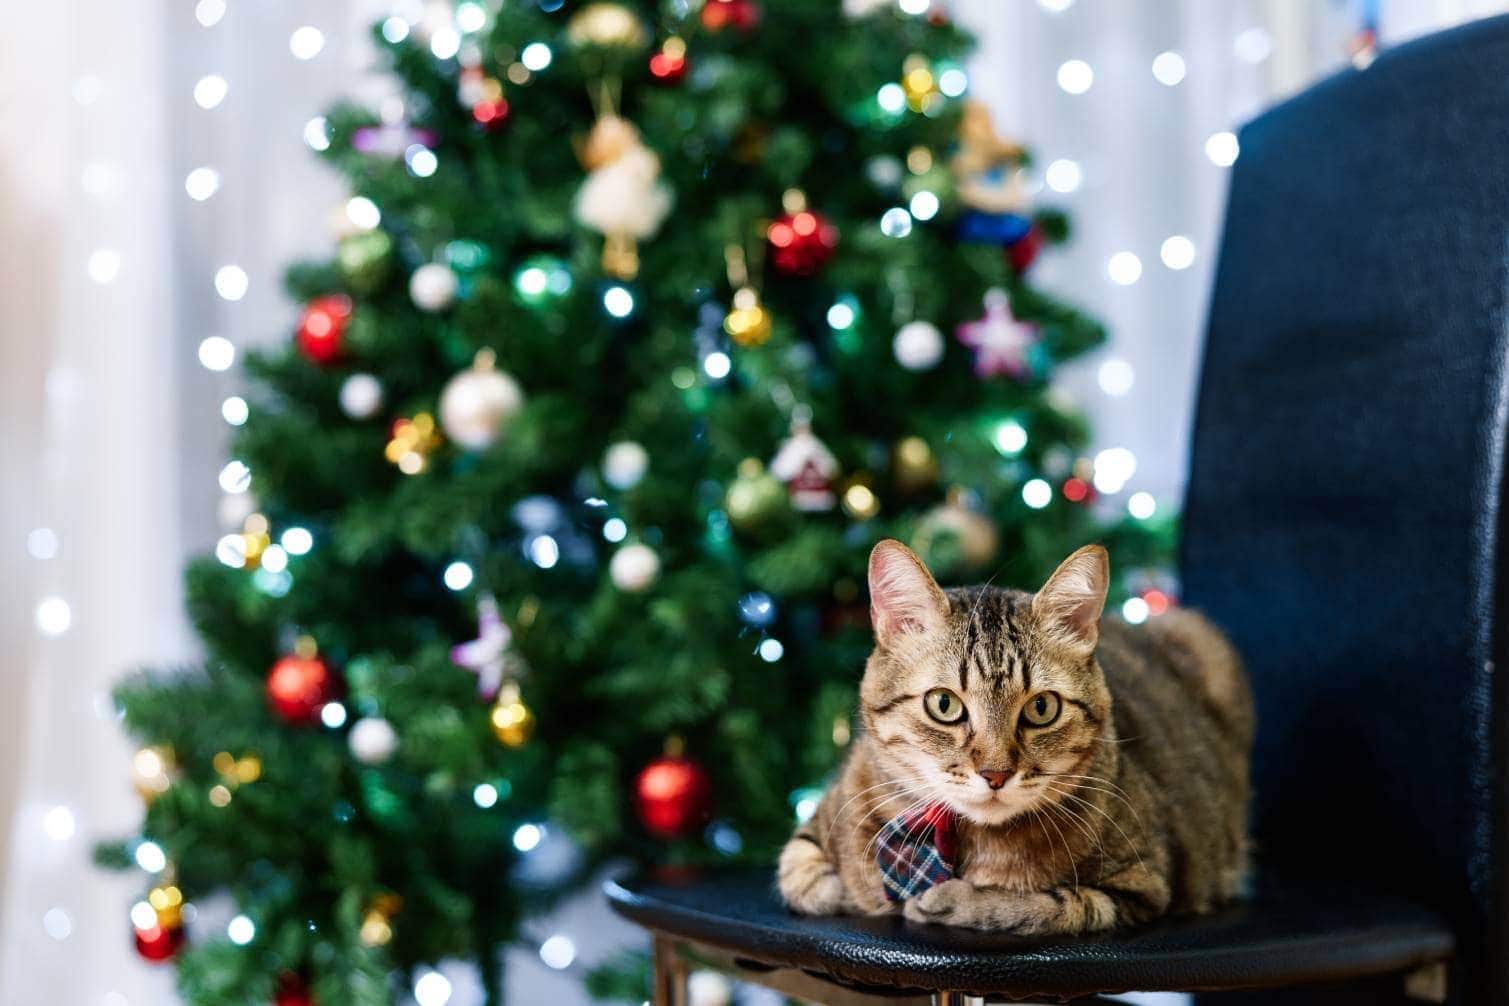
(372, 740)
(625, 463)
(433, 287)
(478, 402)
(361, 396)
(918, 345)
(634, 567)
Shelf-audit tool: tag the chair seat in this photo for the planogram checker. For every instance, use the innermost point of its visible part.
(1284, 935)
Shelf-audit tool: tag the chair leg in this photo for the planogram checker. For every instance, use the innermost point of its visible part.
(670, 973)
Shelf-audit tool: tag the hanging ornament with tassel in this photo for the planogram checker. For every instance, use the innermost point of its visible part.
(622, 197)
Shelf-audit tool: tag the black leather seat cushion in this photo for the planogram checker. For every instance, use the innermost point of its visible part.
(1285, 935)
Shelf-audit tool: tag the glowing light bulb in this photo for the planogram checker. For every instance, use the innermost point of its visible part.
(1142, 505)
(1177, 252)
(771, 650)
(235, 411)
(306, 42)
(1222, 149)
(210, 90)
(458, 576)
(241, 930)
(1115, 376)
(1037, 494)
(201, 183)
(53, 616)
(536, 56)
(231, 282)
(1063, 175)
(216, 352)
(558, 952)
(1168, 68)
(1075, 76)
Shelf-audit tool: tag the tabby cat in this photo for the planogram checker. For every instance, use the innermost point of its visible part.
(1089, 774)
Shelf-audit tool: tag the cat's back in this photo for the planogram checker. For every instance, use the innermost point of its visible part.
(1184, 724)
(1175, 668)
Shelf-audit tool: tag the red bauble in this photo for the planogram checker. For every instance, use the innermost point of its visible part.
(801, 243)
(672, 796)
(668, 68)
(159, 943)
(298, 687)
(1023, 253)
(490, 113)
(293, 992)
(720, 14)
(322, 328)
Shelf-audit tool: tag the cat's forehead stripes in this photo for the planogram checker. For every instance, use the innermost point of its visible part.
(992, 638)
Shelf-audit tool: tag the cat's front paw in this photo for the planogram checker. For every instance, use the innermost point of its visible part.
(944, 903)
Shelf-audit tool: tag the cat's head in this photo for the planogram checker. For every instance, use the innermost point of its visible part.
(983, 698)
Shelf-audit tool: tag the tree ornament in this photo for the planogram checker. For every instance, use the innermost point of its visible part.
(1021, 254)
(634, 568)
(412, 442)
(167, 901)
(377, 921)
(433, 287)
(859, 499)
(255, 538)
(807, 467)
(321, 334)
(361, 396)
(483, 94)
(801, 241)
(365, 259)
(372, 740)
(624, 464)
(956, 538)
(489, 656)
(999, 340)
(672, 795)
(299, 685)
(478, 402)
(741, 14)
(153, 770)
(920, 84)
(669, 64)
(609, 25)
(708, 988)
(918, 345)
(987, 174)
(511, 719)
(913, 466)
(292, 991)
(622, 197)
(748, 323)
(755, 498)
(156, 943)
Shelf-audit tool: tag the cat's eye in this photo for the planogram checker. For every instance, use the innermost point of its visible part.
(943, 705)
(1041, 710)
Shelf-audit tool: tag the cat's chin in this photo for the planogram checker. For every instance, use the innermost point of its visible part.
(987, 811)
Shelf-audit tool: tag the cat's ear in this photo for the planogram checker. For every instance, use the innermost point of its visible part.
(904, 597)
(1068, 606)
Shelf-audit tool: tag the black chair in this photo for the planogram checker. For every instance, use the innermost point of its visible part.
(1344, 523)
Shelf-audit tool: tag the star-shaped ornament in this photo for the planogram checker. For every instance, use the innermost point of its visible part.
(487, 656)
(1000, 341)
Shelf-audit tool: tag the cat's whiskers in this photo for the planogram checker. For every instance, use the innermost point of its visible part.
(1113, 790)
(1102, 812)
(1068, 852)
(910, 780)
(1080, 822)
(905, 794)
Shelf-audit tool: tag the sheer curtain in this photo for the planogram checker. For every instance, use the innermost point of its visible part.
(109, 287)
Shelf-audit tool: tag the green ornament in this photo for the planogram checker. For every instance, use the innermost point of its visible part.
(365, 259)
(755, 499)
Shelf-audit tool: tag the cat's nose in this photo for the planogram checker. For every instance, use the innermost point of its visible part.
(996, 777)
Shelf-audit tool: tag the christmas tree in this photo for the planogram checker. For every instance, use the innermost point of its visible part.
(645, 322)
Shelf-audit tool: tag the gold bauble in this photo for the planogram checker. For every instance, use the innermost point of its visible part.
(859, 500)
(167, 901)
(377, 921)
(511, 719)
(152, 771)
(913, 466)
(748, 324)
(606, 24)
(956, 540)
(754, 498)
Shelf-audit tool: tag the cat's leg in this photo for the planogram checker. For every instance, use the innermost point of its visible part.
(807, 877)
(1130, 896)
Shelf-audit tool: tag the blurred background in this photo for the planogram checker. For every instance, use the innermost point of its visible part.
(156, 177)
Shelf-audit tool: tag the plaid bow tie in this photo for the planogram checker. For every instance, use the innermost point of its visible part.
(915, 851)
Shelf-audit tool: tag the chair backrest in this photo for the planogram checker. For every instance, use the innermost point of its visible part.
(1344, 513)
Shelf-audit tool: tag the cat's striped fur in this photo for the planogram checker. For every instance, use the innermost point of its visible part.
(1131, 803)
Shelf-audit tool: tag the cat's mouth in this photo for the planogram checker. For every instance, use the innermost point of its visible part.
(993, 806)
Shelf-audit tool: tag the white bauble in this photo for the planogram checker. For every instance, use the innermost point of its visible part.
(634, 567)
(625, 463)
(361, 396)
(433, 287)
(477, 402)
(918, 345)
(372, 740)
(708, 988)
